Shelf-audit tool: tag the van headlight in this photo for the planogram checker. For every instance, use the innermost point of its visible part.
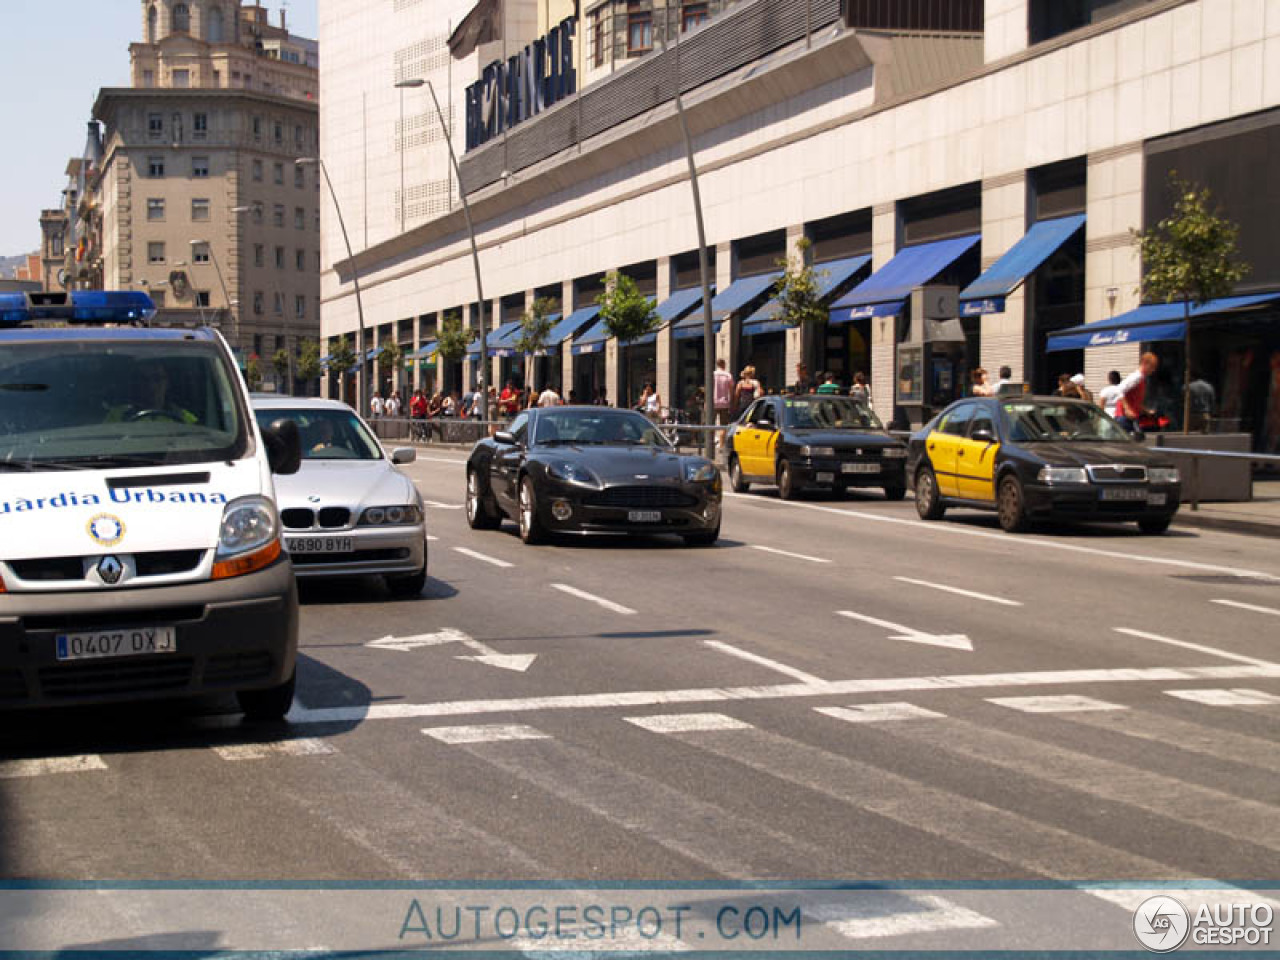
(1164, 475)
(393, 516)
(248, 537)
(1063, 475)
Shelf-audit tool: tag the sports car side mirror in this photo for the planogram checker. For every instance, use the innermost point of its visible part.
(505, 437)
(982, 436)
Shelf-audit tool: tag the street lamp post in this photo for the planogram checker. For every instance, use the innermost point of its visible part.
(361, 404)
(471, 234)
(400, 87)
(226, 297)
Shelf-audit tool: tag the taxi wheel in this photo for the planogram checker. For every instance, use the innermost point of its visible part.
(482, 512)
(928, 502)
(269, 704)
(531, 529)
(1012, 506)
(786, 482)
(1154, 526)
(736, 480)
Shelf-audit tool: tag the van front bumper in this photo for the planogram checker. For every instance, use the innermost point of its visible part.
(231, 635)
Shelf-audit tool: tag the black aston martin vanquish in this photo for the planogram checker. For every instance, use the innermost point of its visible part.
(591, 470)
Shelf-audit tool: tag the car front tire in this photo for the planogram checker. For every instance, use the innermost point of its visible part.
(928, 501)
(482, 512)
(737, 482)
(407, 588)
(1011, 506)
(269, 704)
(531, 529)
(1154, 526)
(786, 481)
(703, 538)
(897, 491)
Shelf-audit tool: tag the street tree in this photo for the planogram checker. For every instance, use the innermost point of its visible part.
(253, 372)
(1190, 255)
(799, 289)
(280, 363)
(308, 367)
(535, 327)
(627, 313)
(453, 337)
(389, 359)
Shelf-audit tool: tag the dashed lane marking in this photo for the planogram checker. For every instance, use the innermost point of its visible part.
(924, 913)
(963, 593)
(879, 712)
(1236, 697)
(303, 747)
(592, 598)
(688, 722)
(485, 733)
(442, 506)
(782, 668)
(1198, 647)
(485, 558)
(788, 554)
(39, 766)
(1067, 703)
(1252, 607)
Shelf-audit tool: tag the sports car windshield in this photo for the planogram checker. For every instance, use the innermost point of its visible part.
(326, 434)
(1040, 421)
(830, 413)
(596, 426)
(75, 404)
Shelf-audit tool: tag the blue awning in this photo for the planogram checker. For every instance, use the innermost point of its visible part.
(592, 341)
(571, 325)
(494, 337)
(677, 306)
(988, 292)
(885, 292)
(831, 276)
(1148, 323)
(373, 354)
(423, 351)
(740, 294)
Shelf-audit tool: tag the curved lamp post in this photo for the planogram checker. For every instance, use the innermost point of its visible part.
(226, 297)
(361, 401)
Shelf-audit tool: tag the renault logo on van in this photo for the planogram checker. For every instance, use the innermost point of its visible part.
(106, 529)
(110, 569)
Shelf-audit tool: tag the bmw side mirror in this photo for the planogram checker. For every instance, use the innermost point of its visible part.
(284, 446)
(982, 436)
(505, 437)
(404, 455)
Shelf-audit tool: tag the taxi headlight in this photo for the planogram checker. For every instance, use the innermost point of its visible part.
(894, 453)
(247, 524)
(570, 472)
(392, 516)
(1164, 475)
(1063, 475)
(817, 451)
(700, 472)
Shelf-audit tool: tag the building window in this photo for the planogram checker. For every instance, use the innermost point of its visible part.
(277, 172)
(639, 29)
(148, 78)
(257, 302)
(597, 38)
(259, 255)
(155, 166)
(213, 28)
(257, 344)
(300, 307)
(155, 125)
(299, 178)
(277, 215)
(200, 208)
(200, 125)
(277, 302)
(297, 136)
(181, 18)
(55, 245)
(693, 14)
(279, 258)
(200, 167)
(299, 218)
(155, 208)
(199, 253)
(277, 132)
(300, 260)
(257, 171)
(257, 214)
(155, 252)
(202, 298)
(257, 128)
(153, 18)
(181, 79)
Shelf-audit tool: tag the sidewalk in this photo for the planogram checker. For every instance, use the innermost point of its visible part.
(1259, 517)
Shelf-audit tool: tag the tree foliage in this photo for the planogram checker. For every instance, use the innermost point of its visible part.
(535, 326)
(453, 337)
(342, 358)
(307, 367)
(627, 313)
(280, 362)
(253, 372)
(798, 290)
(390, 357)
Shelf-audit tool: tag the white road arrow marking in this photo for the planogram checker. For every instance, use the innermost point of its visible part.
(519, 662)
(953, 641)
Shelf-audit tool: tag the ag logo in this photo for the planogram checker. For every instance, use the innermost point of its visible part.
(1161, 924)
(106, 529)
(110, 569)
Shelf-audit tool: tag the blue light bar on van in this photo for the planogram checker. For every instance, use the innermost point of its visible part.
(81, 306)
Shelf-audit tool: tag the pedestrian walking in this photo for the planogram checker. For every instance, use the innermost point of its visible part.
(980, 386)
(747, 390)
(829, 385)
(549, 398)
(722, 393)
(1109, 396)
(376, 405)
(860, 390)
(1133, 394)
(1204, 401)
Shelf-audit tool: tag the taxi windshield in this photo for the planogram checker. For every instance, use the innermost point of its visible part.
(326, 434)
(67, 404)
(596, 426)
(1031, 421)
(830, 413)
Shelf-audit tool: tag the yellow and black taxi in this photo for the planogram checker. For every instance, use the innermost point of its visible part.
(815, 441)
(1031, 458)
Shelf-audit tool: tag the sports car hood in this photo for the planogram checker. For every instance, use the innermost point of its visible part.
(615, 465)
(843, 438)
(351, 483)
(1082, 453)
(128, 510)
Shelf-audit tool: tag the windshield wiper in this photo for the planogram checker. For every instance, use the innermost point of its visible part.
(110, 460)
(35, 466)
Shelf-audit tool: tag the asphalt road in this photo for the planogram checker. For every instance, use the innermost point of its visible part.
(837, 690)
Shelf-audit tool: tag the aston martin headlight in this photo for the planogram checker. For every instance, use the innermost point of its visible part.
(392, 516)
(1164, 475)
(817, 451)
(1063, 475)
(570, 472)
(700, 472)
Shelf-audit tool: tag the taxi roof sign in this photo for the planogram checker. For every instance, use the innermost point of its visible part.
(131, 307)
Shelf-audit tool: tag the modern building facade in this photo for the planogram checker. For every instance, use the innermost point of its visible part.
(969, 175)
(200, 199)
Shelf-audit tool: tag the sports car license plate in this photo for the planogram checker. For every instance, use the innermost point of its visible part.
(129, 642)
(860, 467)
(1125, 493)
(319, 544)
(1157, 499)
(826, 478)
(644, 516)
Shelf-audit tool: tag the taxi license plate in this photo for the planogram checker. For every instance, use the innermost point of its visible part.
(860, 467)
(644, 516)
(1125, 493)
(128, 642)
(319, 544)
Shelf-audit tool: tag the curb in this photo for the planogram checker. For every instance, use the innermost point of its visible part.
(1248, 528)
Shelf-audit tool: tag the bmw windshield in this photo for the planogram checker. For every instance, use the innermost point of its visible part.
(327, 434)
(67, 404)
(1048, 421)
(596, 426)
(816, 412)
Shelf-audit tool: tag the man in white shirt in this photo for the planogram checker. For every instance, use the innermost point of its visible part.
(375, 405)
(1110, 395)
(549, 398)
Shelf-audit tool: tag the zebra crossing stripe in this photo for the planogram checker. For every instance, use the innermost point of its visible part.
(1067, 703)
(303, 747)
(485, 733)
(1238, 697)
(39, 766)
(879, 712)
(688, 723)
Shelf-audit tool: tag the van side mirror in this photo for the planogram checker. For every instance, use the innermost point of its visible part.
(982, 435)
(284, 446)
(505, 437)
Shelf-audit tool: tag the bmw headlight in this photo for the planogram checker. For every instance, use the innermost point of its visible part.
(570, 472)
(1063, 475)
(391, 516)
(247, 524)
(1164, 475)
(700, 472)
(894, 453)
(817, 451)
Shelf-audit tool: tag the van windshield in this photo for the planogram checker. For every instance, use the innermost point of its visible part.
(103, 403)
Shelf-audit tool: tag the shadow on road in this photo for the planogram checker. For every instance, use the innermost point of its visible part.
(340, 590)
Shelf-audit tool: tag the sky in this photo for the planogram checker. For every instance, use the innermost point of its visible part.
(54, 56)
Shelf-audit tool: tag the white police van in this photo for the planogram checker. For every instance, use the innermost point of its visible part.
(140, 552)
